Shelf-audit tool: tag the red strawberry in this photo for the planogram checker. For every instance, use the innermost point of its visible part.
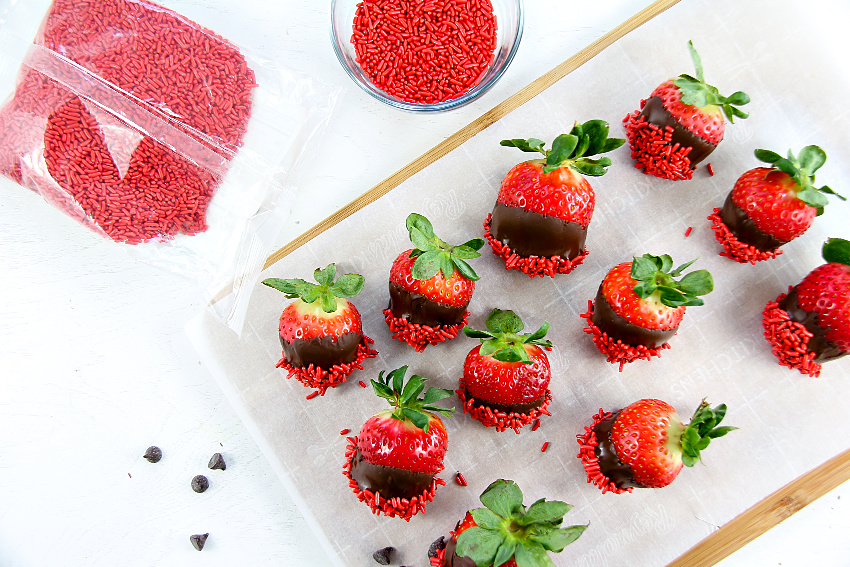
(770, 206)
(506, 378)
(815, 313)
(505, 533)
(544, 206)
(430, 287)
(392, 463)
(640, 305)
(645, 445)
(680, 124)
(321, 332)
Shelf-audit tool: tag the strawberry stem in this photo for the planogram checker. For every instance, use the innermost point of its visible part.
(404, 397)
(655, 277)
(802, 170)
(326, 292)
(696, 92)
(701, 430)
(837, 250)
(433, 255)
(503, 340)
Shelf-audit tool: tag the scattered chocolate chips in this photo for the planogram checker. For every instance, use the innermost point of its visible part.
(439, 543)
(217, 462)
(383, 556)
(153, 454)
(200, 483)
(198, 540)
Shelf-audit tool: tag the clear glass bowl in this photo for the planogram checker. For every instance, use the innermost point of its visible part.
(509, 21)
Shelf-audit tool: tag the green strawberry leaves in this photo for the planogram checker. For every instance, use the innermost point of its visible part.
(502, 339)
(655, 276)
(505, 529)
(802, 170)
(574, 149)
(404, 397)
(701, 430)
(696, 92)
(837, 250)
(433, 255)
(348, 285)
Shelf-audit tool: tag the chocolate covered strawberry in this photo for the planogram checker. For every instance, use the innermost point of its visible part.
(810, 324)
(645, 445)
(770, 206)
(392, 464)
(640, 305)
(321, 332)
(505, 381)
(506, 533)
(544, 206)
(430, 287)
(680, 124)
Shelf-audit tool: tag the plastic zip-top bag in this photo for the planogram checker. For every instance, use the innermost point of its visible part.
(156, 133)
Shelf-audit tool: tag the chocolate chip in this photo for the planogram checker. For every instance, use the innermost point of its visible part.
(383, 556)
(153, 454)
(198, 540)
(200, 483)
(217, 462)
(438, 544)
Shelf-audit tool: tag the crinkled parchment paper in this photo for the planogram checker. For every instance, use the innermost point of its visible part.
(789, 423)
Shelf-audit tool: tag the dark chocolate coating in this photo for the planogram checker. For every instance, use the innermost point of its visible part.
(531, 234)
(617, 327)
(418, 309)
(609, 463)
(390, 482)
(744, 229)
(656, 114)
(823, 348)
(323, 352)
(516, 408)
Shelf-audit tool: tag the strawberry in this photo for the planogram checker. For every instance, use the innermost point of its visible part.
(770, 206)
(640, 305)
(680, 124)
(814, 314)
(506, 378)
(505, 533)
(645, 445)
(321, 331)
(544, 206)
(430, 287)
(392, 463)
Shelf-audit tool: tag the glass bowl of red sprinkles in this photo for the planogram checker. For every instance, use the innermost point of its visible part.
(426, 55)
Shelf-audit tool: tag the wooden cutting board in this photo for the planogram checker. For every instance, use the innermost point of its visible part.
(754, 521)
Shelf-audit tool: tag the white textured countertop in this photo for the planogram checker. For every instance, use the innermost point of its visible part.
(95, 365)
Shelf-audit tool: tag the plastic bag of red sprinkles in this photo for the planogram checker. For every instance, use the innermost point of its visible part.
(155, 132)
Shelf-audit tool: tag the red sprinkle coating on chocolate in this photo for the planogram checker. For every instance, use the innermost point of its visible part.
(459, 479)
(401, 507)
(710, 168)
(424, 52)
(437, 559)
(587, 453)
(615, 349)
(652, 149)
(420, 336)
(315, 377)
(788, 339)
(501, 420)
(732, 247)
(544, 447)
(532, 265)
(688, 232)
(106, 171)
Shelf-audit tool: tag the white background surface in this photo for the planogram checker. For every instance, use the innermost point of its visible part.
(95, 366)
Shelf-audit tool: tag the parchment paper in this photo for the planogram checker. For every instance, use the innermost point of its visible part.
(789, 423)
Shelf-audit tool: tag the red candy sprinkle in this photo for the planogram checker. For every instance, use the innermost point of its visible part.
(688, 232)
(344, 432)
(311, 395)
(544, 447)
(153, 65)
(362, 384)
(459, 479)
(424, 52)
(710, 169)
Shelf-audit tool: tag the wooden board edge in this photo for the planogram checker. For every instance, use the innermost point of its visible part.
(767, 513)
(482, 122)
